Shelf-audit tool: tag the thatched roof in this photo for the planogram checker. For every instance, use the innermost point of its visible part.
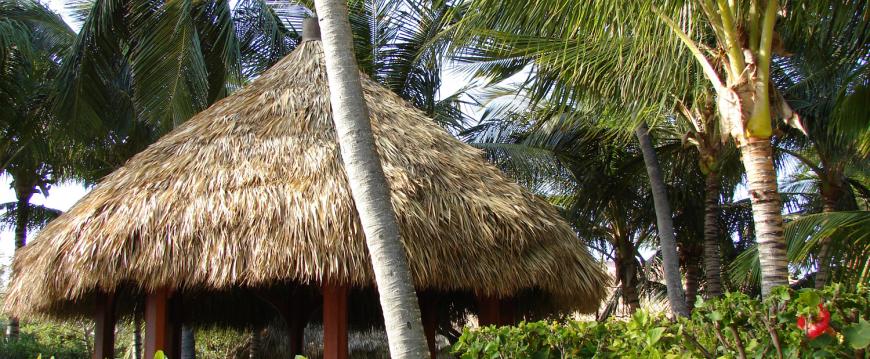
(252, 192)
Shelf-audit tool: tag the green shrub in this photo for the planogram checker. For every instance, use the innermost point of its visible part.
(61, 341)
(733, 326)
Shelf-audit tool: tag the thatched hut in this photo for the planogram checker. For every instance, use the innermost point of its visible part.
(244, 212)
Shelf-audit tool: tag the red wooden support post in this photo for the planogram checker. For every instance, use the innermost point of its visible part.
(159, 327)
(489, 311)
(334, 321)
(429, 314)
(104, 327)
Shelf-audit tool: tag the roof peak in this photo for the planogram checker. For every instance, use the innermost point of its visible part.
(310, 29)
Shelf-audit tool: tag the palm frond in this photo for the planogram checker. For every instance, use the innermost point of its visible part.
(848, 232)
(38, 216)
(170, 77)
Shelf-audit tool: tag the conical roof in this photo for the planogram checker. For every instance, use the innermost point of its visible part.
(252, 192)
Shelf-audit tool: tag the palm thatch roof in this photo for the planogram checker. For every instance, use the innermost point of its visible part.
(252, 192)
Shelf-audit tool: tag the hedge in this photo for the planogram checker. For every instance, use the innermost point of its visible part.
(808, 323)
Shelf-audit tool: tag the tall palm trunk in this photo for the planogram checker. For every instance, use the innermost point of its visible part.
(23, 192)
(369, 186)
(712, 256)
(664, 223)
(830, 196)
(744, 108)
(757, 157)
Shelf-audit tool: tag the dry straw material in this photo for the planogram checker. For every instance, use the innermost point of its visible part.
(251, 192)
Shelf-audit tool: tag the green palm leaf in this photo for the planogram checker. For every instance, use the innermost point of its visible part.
(849, 233)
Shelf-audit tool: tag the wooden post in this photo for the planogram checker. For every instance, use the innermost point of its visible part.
(104, 327)
(334, 321)
(429, 315)
(489, 311)
(159, 325)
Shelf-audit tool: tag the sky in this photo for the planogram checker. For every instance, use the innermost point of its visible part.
(61, 197)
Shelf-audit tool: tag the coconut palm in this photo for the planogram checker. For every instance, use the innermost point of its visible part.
(33, 142)
(207, 49)
(369, 186)
(844, 232)
(596, 180)
(664, 222)
(400, 44)
(829, 86)
(699, 128)
(177, 57)
(662, 50)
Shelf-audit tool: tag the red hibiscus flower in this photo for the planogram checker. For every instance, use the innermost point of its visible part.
(820, 325)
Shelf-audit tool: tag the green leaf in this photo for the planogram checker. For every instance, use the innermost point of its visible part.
(822, 341)
(654, 335)
(858, 334)
(541, 354)
(715, 316)
(809, 298)
(491, 347)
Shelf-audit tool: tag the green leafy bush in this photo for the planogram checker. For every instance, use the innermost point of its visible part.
(734, 326)
(62, 341)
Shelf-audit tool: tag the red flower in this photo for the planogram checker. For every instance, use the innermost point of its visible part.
(820, 325)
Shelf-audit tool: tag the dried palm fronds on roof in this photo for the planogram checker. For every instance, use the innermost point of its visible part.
(252, 192)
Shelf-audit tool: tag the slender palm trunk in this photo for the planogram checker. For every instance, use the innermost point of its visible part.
(22, 216)
(830, 196)
(626, 273)
(188, 343)
(137, 334)
(757, 156)
(369, 185)
(664, 223)
(712, 253)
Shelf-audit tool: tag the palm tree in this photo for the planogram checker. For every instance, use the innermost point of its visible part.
(176, 58)
(369, 185)
(402, 45)
(636, 52)
(588, 172)
(33, 150)
(828, 84)
(664, 223)
(703, 134)
(208, 49)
